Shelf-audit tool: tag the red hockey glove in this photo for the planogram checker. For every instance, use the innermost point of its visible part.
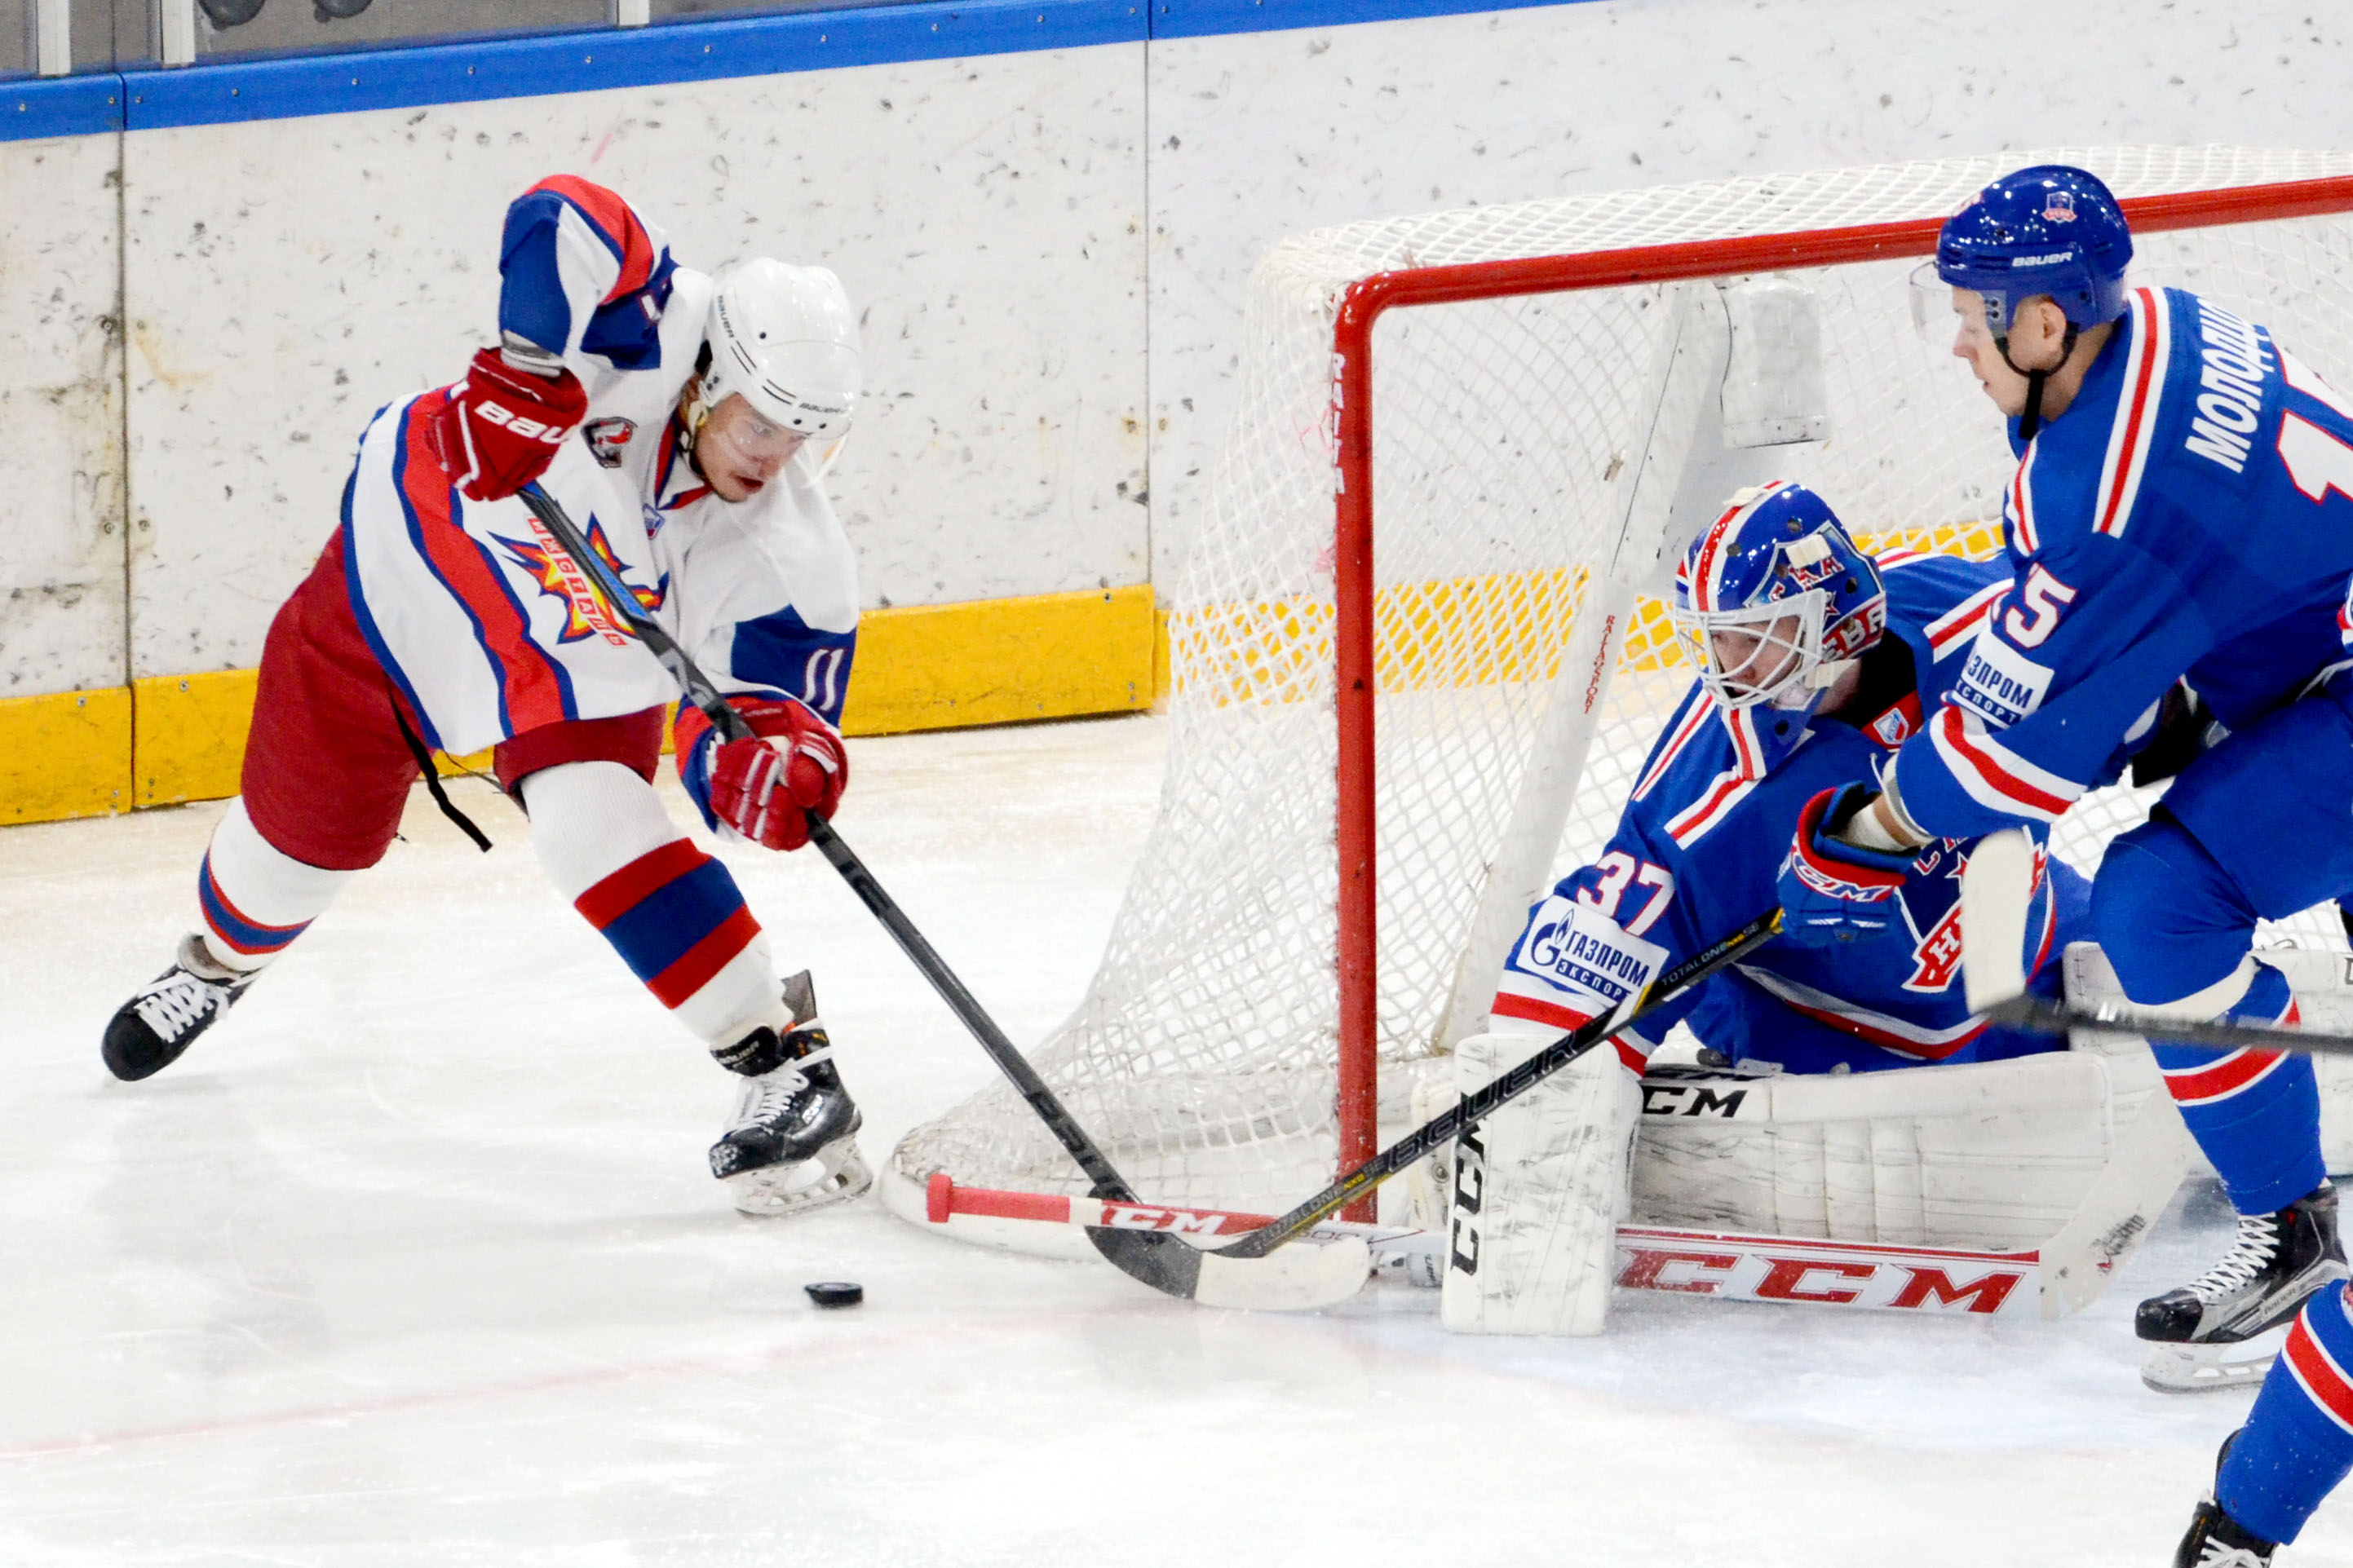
(765, 788)
(501, 426)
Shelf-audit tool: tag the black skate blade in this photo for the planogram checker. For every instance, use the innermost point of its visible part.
(2211, 1368)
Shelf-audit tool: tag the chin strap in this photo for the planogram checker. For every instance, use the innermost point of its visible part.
(693, 414)
(2030, 421)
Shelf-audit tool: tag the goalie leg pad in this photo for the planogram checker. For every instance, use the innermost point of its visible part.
(1983, 1154)
(1539, 1187)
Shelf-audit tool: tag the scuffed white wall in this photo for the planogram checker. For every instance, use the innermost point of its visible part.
(61, 619)
(999, 219)
(1255, 136)
(286, 279)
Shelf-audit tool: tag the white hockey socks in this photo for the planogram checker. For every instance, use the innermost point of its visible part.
(673, 912)
(253, 897)
(1539, 1188)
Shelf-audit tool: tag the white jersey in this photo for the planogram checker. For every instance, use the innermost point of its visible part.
(475, 612)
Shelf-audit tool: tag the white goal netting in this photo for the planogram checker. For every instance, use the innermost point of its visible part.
(1203, 1055)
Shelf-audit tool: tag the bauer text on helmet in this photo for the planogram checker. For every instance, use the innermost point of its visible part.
(784, 339)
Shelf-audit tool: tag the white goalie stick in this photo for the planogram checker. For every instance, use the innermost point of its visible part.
(1996, 888)
(2061, 1277)
(1310, 1277)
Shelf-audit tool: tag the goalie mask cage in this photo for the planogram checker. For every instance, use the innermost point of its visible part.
(1415, 646)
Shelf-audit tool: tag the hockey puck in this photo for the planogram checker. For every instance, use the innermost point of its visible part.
(835, 1293)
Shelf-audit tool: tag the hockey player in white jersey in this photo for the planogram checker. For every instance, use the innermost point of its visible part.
(681, 421)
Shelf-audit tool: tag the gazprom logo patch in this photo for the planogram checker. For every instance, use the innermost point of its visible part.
(2000, 682)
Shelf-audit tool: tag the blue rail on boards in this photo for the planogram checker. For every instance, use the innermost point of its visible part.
(290, 86)
(34, 107)
(1206, 18)
(468, 71)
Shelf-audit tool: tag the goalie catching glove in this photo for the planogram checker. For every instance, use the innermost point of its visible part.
(503, 425)
(764, 788)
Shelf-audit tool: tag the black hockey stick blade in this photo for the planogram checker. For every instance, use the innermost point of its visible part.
(1218, 1277)
(2048, 1017)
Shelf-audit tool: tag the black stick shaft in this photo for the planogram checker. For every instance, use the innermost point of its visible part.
(2059, 1018)
(699, 691)
(1108, 1182)
(1517, 1081)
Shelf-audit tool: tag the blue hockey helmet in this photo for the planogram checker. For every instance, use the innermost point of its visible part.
(1773, 596)
(2050, 229)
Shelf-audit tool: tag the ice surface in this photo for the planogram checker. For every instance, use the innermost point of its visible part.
(413, 1261)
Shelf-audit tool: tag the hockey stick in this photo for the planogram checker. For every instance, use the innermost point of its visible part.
(1315, 1278)
(1996, 887)
(1179, 1270)
(1731, 1265)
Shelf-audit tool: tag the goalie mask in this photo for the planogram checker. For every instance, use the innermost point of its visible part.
(785, 339)
(1774, 600)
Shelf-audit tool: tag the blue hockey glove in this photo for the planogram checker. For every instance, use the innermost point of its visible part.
(1832, 891)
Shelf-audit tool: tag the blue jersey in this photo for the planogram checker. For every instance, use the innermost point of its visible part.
(1701, 842)
(2187, 517)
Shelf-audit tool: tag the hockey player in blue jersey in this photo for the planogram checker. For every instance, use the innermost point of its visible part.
(1816, 662)
(2180, 528)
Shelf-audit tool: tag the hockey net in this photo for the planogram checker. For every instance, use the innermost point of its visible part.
(1219, 1056)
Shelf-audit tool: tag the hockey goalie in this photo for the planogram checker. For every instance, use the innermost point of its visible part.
(1844, 1089)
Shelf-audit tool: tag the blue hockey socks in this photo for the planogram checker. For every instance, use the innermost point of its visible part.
(2256, 1114)
(2298, 1443)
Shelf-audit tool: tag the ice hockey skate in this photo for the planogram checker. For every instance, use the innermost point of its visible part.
(164, 1017)
(793, 1142)
(2215, 1539)
(2223, 1329)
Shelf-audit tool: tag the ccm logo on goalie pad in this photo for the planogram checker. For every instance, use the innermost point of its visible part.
(1577, 947)
(1690, 1099)
(1772, 1269)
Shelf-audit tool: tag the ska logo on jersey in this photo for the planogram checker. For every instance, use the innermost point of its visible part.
(609, 439)
(587, 613)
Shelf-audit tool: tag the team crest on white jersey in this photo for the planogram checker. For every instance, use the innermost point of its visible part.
(609, 439)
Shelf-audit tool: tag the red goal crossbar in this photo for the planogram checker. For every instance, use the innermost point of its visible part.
(1362, 307)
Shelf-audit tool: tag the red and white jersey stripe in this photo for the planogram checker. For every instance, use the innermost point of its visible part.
(2134, 432)
(1894, 1034)
(1729, 788)
(2018, 504)
(1992, 775)
(1694, 723)
(1960, 624)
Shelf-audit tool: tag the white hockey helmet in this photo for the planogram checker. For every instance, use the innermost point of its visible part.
(784, 338)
